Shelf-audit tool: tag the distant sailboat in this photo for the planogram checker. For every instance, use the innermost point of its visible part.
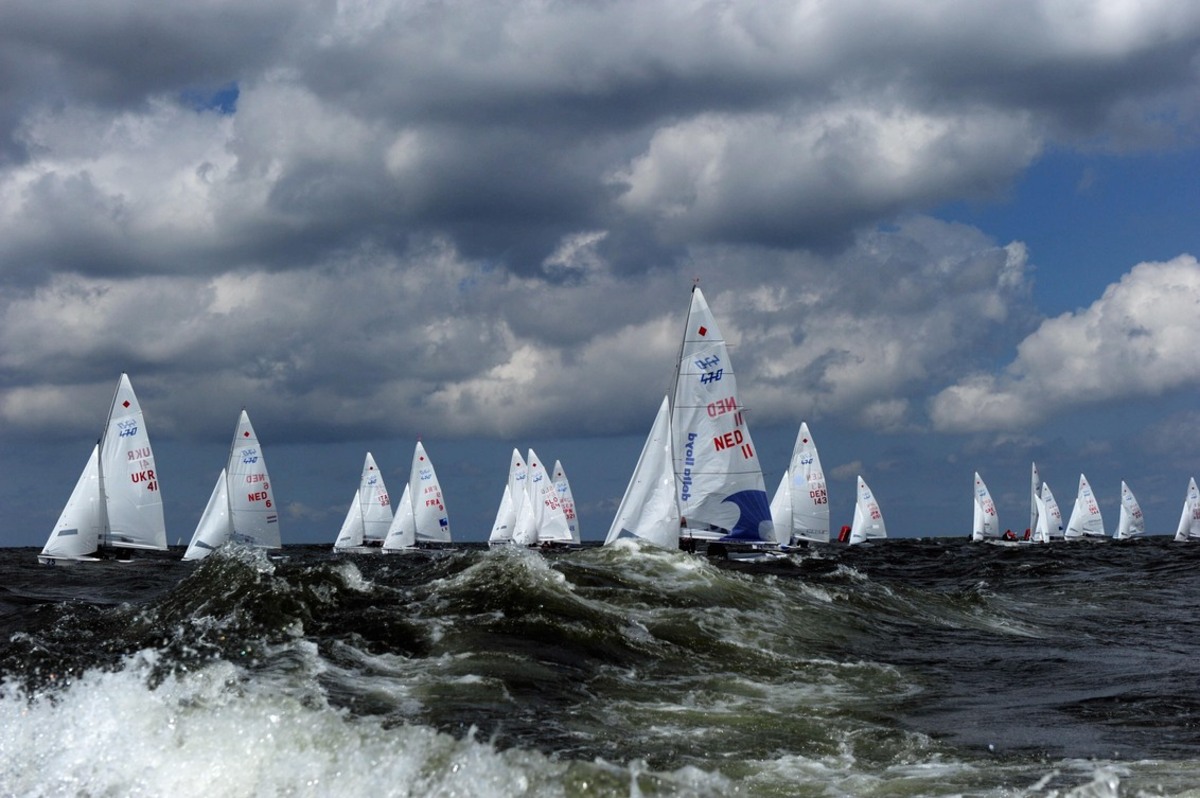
(541, 519)
(116, 503)
(402, 532)
(1085, 518)
(567, 499)
(800, 507)
(1189, 519)
(242, 505)
(1131, 524)
(868, 519)
(985, 524)
(1050, 526)
(421, 516)
(719, 481)
(369, 516)
(649, 510)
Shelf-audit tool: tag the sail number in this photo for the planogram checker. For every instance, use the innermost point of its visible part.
(819, 496)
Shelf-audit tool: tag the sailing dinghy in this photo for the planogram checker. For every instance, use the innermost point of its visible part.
(369, 516)
(800, 507)
(242, 505)
(720, 491)
(567, 499)
(421, 518)
(1049, 523)
(1085, 520)
(541, 519)
(116, 504)
(1131, 524)
(985, 524)
(1189, 519)
(868, 519)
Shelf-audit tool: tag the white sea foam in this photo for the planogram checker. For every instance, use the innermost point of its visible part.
(212, 732)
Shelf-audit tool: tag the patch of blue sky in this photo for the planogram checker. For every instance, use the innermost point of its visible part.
(223, 100)
(1088, 218)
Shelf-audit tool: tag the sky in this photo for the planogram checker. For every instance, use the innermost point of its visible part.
(952, 237)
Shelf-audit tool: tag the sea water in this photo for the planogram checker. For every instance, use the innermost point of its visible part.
(907, 667)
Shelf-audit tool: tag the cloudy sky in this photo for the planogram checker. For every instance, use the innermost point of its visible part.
(952, 236)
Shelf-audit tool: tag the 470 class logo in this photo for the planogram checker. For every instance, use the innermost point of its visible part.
(127, 428)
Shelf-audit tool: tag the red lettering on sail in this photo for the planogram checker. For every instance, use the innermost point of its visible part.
(728, 440)
(722, 406)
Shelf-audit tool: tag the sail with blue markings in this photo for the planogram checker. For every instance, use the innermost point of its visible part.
(719, 482)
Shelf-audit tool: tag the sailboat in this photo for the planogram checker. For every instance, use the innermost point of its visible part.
(1049, 523)
(985, 525)
(1189, 519)
(800, 507)
(1085, 518)
(649, 509)
(421, 516)
(369, 515)
(116, 503)
(541, 519)
(242, 504)
(514, 493)
(402, 532)
(1131, 523)
(868, 519)
(719, 482)
(567, 499)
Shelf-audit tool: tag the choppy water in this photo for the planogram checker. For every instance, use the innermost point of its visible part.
(931, 667)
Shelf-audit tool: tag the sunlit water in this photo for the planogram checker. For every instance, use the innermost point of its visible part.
(931, 667)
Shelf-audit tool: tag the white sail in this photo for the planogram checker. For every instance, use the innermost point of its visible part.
(251, 500)
(429, 506)
(1053, 515)
(803, 503)
(127, 471)
(1041, 532)
(214, 527)
(648, 510)
(117, 496)
(1085, 515)
(718, 476)
(506, 518)
(1035, 480)
(567, 499)
(1131, 523)
(77, 533)
(781, 507)
(986, 522)
(868, 519)
(525, 529)
(513, 497)
(350, 536)
(1189, 519)
(402, 534)
(550, 520)
(376, 504)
